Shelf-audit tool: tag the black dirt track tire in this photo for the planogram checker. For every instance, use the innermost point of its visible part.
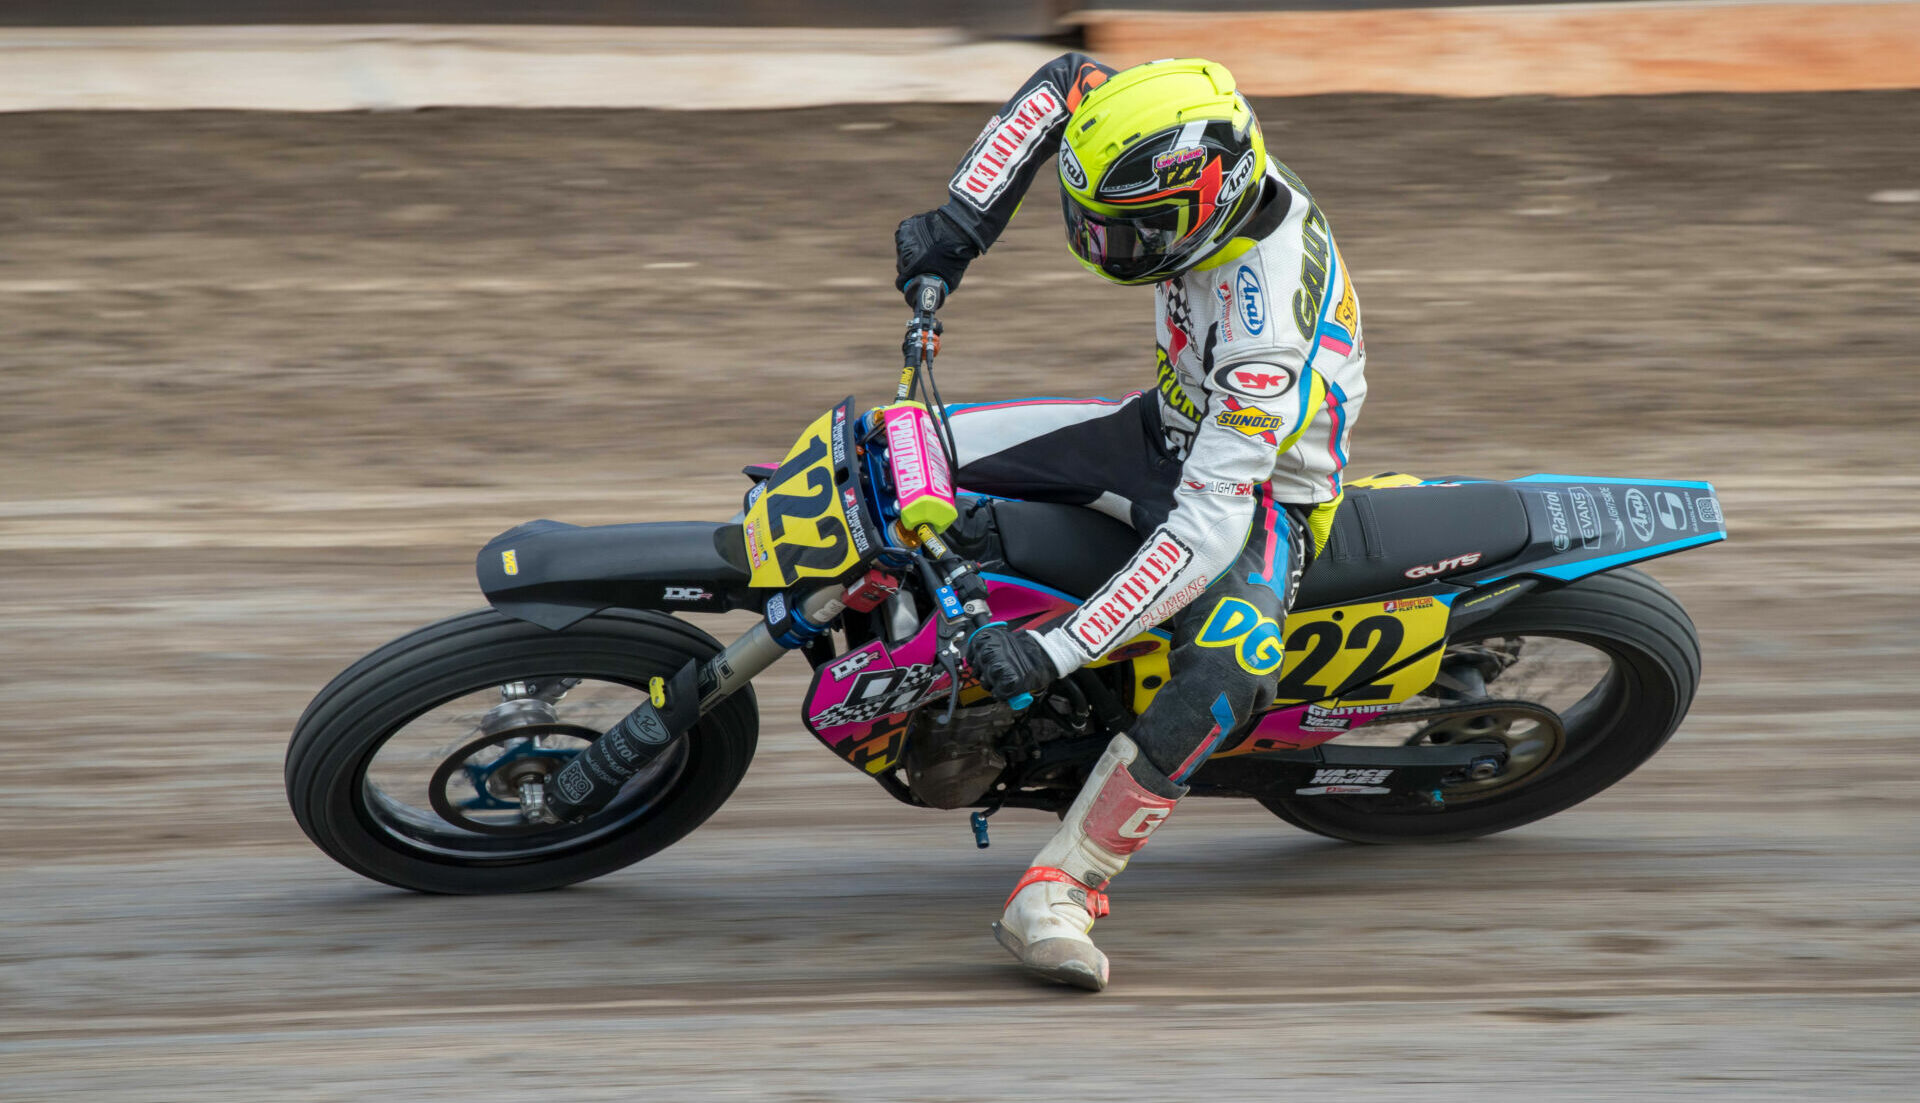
(350, 719)
(1656, 669)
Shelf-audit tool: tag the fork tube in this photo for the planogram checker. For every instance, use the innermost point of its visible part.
(743, 659)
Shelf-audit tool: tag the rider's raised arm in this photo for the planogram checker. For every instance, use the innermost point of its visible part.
(1023, 135)
(993, 177)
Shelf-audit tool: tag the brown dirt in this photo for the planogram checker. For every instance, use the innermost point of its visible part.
(268, 380)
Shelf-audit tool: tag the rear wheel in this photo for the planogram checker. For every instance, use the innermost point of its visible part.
(421, 765)
(1583, 684)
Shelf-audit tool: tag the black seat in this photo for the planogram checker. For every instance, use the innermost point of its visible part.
(1378, 535)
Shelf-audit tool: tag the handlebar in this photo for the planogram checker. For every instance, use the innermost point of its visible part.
(926, 294)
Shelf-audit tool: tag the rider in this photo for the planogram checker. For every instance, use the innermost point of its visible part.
(1230, 466)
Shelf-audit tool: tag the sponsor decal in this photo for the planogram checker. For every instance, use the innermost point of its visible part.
(1349, 777)
(574, 785)
(1106, 618)
(852, 499)
(1406, 604)
(1179, 166)
(1238, 179)
(1671, 508)
(1255, 380)
(754, 550)
(1470, 603)
(1175, 602)
(685, 593)
(1557, 519)
(879, 749)
(1348, 790)
(509, 562)
(1348, 312)
(1070, 170)
(839, 438)
(776, 609)
(1088, 77)
(1005, 145)
(851, 665)
(1640, 514)
(1586, 517)
(1251, 421)
(937, 471)
(1143, 822)
(1709, 510)
(911, 467)
(1255, 639)
(1174, 395)
(1218, 486)
(1613, 514)
(1224, 295)
(1453, 563)
(1253, 308)
(1314, 240)
(878, 693)
(1338, 719)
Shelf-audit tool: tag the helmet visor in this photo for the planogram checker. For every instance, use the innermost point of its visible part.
(1130, 248)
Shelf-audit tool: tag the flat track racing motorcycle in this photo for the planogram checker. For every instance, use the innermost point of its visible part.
(1465, 656)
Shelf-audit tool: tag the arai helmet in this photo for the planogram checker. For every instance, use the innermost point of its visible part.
(1160, 167)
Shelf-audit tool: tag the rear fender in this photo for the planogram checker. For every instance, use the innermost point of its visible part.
(1582, 526)
(554, 574)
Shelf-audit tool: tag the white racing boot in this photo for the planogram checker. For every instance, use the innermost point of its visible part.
(1053, 907)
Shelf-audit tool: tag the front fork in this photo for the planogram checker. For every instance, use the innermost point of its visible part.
(674, 705)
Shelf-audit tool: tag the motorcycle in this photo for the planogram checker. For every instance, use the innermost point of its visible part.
(1465, 656)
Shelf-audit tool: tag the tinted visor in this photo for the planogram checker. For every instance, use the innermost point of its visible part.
(1130, 248)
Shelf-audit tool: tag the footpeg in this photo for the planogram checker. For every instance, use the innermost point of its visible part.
(594, 777)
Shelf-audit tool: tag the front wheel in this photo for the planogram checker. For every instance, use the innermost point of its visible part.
(412, 766)
(1614, 657)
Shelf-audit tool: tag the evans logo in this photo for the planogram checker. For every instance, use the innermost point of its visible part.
(1253, 309)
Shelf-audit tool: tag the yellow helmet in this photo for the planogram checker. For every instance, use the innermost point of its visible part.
(1161, 165)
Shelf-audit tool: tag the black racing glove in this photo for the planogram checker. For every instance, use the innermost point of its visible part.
(932, 243)
(1010, 662)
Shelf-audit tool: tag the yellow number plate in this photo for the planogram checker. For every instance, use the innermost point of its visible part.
(798, 528)
(1330, 648)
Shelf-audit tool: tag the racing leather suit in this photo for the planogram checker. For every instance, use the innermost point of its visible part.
(1259, 376)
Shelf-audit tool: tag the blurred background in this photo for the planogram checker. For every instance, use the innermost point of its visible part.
(304, 301)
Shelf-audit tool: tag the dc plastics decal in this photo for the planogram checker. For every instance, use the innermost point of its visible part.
(1253, 308)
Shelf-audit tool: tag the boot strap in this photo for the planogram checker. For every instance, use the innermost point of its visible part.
(1096, 900)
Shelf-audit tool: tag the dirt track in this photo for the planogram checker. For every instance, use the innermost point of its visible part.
(267, 382)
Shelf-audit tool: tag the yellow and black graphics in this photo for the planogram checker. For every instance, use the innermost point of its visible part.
(809, 522)
(1369, 653)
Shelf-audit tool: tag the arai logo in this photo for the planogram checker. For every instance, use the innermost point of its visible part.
(1640, 514)
(1253, 312)
(1070, 169)
(1237, 179)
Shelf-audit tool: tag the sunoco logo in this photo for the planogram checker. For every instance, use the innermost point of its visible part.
(1640, 514)
(1585, 517)
(1557, 517)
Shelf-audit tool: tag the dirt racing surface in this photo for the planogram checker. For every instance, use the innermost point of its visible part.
(268, 381)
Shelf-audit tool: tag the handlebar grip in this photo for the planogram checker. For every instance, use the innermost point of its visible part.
(926, 294)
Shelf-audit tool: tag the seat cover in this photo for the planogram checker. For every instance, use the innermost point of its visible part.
(1378, 535)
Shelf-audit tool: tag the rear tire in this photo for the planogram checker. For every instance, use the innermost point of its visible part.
(1655, 654)
(344, 728)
